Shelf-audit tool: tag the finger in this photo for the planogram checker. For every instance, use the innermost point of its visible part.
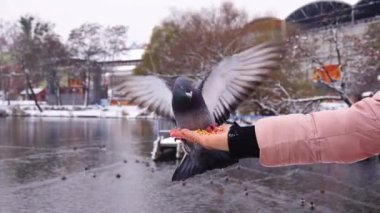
(190, 135)
(175, 133)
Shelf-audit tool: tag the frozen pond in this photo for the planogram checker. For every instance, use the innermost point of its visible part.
(103, 165)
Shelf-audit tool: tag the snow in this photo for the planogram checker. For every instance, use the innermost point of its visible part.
(35, 90)
(124, 68)
(27, 108)
(130, 55)
(332, 106)
(121, 70)
(367, 94)
(169, 142)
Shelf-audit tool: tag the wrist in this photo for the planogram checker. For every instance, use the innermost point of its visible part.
(242, 142)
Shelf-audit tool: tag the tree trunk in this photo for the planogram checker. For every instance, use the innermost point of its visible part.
(58, 93)
(346, 99)
(86, 88)
(97, 84)
(9, 89)
(8, 98)
(87, 82)
(29, 85)
(59, 97)
(53, 84)
(56, 96)
(341, 93)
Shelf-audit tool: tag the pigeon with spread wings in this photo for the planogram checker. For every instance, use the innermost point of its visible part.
(197, 107)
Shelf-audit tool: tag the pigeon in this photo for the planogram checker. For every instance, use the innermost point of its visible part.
(194, 107)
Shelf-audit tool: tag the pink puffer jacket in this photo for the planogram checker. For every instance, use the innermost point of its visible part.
(335, 136)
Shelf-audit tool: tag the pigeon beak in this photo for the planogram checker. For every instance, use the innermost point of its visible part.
(189, 94)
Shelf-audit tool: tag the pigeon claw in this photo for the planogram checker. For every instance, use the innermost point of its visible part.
(211, 128)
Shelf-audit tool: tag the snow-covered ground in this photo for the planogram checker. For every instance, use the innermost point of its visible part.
(27, 108)
(333, 105)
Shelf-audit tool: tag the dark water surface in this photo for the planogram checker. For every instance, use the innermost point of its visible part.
(103, 165)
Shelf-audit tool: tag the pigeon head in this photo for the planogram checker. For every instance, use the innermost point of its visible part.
(183, 90)
(186, 98)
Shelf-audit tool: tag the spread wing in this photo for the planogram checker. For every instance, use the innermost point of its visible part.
(235, 78)
(148, 91)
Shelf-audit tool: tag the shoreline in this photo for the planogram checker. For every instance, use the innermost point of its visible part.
(28, 109)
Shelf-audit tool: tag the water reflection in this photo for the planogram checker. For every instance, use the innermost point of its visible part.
(37, 148)
(106, 168)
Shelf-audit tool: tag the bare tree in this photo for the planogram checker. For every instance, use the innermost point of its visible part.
(336, 55)
(347, 48)
(85, 44)
(7, 33)
(28, 48)
(192, 42)
(114, 43)
(114, 40)
(366, 72)
(53, 54)
(93, 43)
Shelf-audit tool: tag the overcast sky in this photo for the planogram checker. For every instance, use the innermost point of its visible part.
(139, 15)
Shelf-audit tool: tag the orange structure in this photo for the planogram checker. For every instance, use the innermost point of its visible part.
(75, 83)
(327, 73)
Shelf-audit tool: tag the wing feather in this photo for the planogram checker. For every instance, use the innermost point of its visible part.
(236, 77)
(147, 91)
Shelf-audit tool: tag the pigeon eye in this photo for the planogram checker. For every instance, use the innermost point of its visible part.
(186, 89)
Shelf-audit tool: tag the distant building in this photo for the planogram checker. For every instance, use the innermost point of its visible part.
(12, 81)
(108, 72)
(39, 92)
(71, 92)
(326, 13)
(122, 64)
(116, 69)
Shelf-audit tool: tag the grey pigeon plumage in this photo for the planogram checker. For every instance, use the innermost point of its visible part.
(190, 112)
(226, 86)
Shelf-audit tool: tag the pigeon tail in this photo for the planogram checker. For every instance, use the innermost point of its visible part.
(200, 161)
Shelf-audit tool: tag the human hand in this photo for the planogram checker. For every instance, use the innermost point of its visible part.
(216, 139)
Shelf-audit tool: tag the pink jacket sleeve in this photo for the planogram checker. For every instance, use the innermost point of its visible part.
(335, 136)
